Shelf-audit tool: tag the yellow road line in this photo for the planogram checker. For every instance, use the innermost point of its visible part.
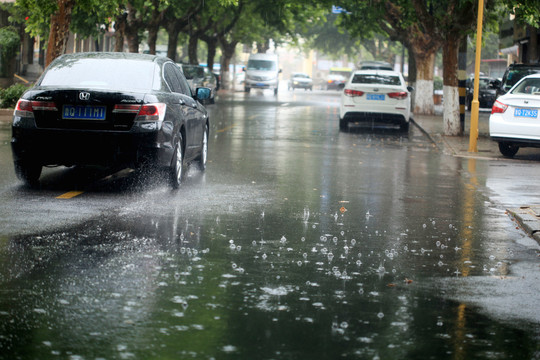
(69, 194)
(226, 128)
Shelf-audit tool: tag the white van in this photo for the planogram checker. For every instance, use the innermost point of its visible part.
(262, 72)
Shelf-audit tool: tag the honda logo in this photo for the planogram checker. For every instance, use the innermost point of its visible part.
(84, 96)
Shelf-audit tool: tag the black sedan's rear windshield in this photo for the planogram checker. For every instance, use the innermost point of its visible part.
(121, 74)
(376, 79)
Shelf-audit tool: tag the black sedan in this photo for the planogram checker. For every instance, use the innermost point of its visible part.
(110, 109)
(486, 91)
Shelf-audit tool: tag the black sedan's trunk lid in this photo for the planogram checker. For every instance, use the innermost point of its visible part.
(85, 109)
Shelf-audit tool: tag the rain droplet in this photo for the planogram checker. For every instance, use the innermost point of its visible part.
(380, 315)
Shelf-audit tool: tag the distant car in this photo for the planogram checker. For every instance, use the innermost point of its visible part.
(335, 82)
(376, 65)
(486, 91)
(513, 74)
(110, 109)
(300, 81)
(375, 97)
(514, 120)
(199, 76)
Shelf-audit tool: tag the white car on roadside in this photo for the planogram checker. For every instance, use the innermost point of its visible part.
(514, 121)
(373, 97)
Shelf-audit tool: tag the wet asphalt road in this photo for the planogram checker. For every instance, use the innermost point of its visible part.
(298, 242)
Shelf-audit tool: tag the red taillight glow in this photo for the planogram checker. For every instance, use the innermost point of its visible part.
(126, 109)
(146, 112)
(353, 93)
(152, 112)
(400, 95)
(498, 107)
(149, 110)
(26, 108)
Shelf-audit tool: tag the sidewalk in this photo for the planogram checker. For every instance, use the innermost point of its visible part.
(432, 127)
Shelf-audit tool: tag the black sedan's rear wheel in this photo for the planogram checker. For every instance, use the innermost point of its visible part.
(508, 149)
(176, 170)
(202, 159)
(28, 171)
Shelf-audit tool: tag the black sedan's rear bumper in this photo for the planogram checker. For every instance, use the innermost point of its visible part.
(68, 147)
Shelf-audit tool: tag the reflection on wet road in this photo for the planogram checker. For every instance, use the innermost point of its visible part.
(298, 242)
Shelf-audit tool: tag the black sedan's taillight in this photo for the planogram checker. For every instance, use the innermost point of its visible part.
(26, 108)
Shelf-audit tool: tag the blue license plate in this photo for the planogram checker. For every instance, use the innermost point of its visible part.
(375, 97)
(528, 113)
(83, 112)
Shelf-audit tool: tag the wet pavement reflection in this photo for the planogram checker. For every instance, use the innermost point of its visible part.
(298, 242)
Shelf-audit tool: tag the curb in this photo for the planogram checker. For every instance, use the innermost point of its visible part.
(528, 218)
(427, 134)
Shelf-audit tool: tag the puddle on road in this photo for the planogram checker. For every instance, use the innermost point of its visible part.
(349, 281)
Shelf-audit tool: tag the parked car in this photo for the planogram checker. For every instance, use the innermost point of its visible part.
(487, 87)
(199, 76)
(514, 73)
(335, 82)
(375, 97)
(110, 109)
(514, 120)
(376, 65)
(300, 81)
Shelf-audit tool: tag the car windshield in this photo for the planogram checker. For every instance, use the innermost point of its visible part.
(517, 74)
(261, 65)
(191, 72)
(528, 86)
(376, 79)
(484, 83)
(303, 76)
(118, 74)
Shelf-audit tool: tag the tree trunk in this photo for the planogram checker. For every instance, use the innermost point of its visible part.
(192, 49)
(423, 99)
(172, 42)
(227, 50)
(152, 38)
(533, 44)
(451, 122)
(263, 47)
(212, 45)
(59, 32)
(119, 31)
(133, 24)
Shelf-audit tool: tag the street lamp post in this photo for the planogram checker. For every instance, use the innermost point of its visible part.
(473, 136)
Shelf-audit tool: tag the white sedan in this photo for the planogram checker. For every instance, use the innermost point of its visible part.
(375, 97)
(514, 120)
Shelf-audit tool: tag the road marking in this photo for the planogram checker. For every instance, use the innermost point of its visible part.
(69, 194)
(226, 128)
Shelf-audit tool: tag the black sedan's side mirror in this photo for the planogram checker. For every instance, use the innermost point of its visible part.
(203, 93)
